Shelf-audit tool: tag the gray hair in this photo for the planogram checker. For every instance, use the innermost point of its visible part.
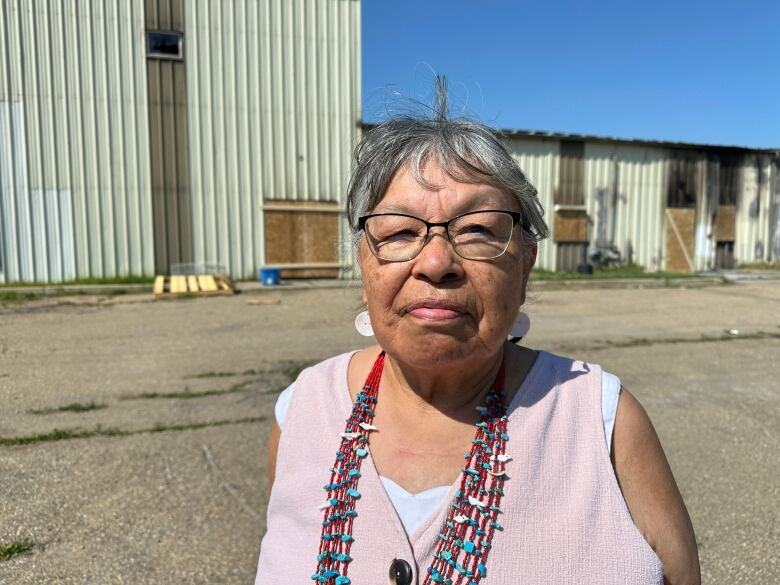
(467, 150)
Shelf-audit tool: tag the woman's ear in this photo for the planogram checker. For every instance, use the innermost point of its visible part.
(529, 260)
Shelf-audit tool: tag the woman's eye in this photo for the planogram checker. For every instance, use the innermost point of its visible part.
(477, 229)
(402, 235)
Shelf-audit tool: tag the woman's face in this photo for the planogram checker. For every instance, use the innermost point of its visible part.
(439, 308)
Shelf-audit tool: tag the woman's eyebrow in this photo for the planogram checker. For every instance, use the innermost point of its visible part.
(459, 210)
(392, 209)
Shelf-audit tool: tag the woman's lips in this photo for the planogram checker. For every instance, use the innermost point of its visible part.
(433, 314)
(435, 311)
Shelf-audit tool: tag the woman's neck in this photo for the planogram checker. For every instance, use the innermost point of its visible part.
(448, 391)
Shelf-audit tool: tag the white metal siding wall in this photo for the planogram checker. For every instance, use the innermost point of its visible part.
(539, 160)
(754, 203)
(274, 93)
(641, 192)
(74, 162)
(641, 197)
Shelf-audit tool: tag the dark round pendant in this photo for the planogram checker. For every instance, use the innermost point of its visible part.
(400, 572)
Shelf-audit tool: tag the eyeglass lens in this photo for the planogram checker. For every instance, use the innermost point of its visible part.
(475, 236)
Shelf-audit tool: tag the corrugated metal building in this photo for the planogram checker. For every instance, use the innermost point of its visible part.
(662, 205)
(143, 134)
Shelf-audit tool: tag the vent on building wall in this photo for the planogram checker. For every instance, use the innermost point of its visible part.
(164, 45)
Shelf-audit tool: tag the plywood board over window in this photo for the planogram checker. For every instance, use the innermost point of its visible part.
(725, 223)
(570, 222)
(570, 226)
(680, 234)
(302, 233)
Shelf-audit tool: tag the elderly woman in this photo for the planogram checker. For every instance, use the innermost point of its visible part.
(446, 453)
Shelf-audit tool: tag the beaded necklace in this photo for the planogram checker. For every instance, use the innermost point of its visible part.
(464, 541)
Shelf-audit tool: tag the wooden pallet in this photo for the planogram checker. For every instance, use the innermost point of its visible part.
(201, 284)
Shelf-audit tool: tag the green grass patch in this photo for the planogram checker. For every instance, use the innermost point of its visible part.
(760, 266)
(608, 272)
(72, 407)
(99, 431)
(12, 297)
(187, 393)
(15, 548)
(119, 281)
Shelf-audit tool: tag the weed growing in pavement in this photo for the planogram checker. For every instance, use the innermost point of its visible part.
(643, 342)
(72, 407)
(12, 549)
(56, 435)
(212, 375)
(187, 393)
(99, 431)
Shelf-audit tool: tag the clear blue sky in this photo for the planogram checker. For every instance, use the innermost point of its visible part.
(690, 71)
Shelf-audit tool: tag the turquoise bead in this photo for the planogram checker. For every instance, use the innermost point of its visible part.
(361, 452)
(469, 547)
(482, 569)
(352, 492)
(343, 580)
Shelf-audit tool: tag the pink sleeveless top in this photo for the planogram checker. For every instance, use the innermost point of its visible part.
(564, 517)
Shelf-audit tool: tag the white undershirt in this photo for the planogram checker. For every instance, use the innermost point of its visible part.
(412, 509)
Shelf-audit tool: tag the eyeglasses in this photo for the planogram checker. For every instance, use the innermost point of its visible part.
(477, 235)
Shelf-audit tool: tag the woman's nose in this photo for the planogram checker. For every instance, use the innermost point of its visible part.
(437, 261)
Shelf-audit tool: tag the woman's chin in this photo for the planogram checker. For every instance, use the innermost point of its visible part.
(432, 348)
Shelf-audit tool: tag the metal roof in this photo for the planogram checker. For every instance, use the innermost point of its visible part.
(541, 134)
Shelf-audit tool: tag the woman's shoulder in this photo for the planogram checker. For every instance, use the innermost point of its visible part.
(651, 494)
(566, 362)
(548, 368)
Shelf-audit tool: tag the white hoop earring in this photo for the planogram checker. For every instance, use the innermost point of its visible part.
(522, 325)
(363, 324)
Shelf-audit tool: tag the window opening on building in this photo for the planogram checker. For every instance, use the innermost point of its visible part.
(164, 45)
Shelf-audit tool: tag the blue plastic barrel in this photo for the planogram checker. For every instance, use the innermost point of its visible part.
(269, 276)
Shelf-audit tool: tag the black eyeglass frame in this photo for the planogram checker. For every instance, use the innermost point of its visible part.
(515, 215)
